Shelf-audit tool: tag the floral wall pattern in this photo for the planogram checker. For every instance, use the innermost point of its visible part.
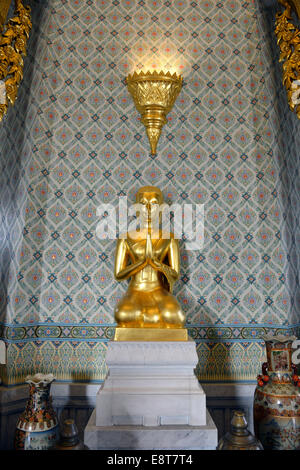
(81, 143)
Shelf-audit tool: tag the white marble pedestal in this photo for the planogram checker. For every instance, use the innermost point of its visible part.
(151, 437)
(151, 399)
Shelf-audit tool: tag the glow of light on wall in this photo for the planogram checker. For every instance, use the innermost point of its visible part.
(166, 59)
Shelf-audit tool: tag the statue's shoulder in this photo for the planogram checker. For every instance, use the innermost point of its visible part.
(167, 235)
(122, 237)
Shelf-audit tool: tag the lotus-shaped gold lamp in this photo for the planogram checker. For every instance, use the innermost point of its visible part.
(154, 95)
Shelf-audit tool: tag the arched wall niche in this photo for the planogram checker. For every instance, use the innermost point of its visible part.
(74, 140)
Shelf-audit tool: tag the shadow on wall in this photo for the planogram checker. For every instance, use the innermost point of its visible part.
(13, 135)
(77, 406)
(289, 164)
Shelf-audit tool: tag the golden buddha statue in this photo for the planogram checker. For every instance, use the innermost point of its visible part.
(148, 311)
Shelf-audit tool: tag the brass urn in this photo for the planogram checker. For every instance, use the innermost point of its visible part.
(69, 438)
(239, 438)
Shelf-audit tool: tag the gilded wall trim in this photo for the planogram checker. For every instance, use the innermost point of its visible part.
(4, 7)
(288, 39)
(296, 5)
(12, 49)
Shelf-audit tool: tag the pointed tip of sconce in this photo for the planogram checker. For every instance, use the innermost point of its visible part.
(153, 135)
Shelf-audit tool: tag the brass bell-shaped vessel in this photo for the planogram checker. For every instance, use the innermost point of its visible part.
(69, 437)
(239, 438)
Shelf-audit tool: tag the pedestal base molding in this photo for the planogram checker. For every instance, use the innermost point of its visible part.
(150, 438)
(151, 384)
(151, 399)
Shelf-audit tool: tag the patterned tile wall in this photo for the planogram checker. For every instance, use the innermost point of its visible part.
(83, 144)
(288, 160)
(15, 160)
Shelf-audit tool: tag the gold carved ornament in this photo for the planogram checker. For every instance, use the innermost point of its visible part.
(13, 42)
(154, 94)
(288, 39)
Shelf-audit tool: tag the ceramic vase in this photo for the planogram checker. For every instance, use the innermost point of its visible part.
(277, 398)
(37, 426)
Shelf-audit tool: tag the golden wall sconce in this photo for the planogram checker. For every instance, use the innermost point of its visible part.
(154, 94)
(13, 42)
(288, 39)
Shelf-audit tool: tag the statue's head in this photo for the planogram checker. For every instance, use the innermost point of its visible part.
(150, 197)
